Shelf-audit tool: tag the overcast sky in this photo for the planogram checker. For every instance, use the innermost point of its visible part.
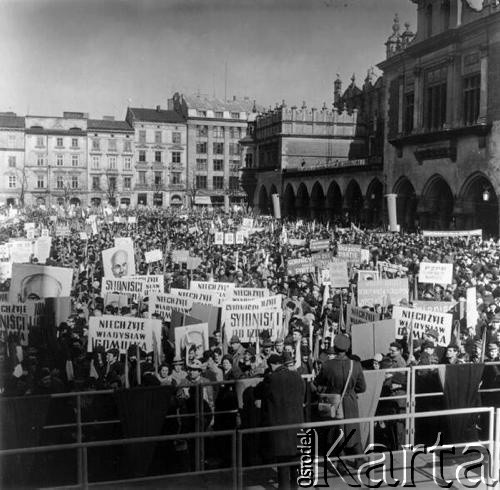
(98, 55)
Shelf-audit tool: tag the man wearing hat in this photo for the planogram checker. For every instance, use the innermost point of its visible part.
(113, 370)
(178, 373)
(337, 373)
(282, 395)
(237, 350)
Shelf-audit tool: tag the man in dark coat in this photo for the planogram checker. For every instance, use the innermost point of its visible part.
(282, 394)
(333, 377)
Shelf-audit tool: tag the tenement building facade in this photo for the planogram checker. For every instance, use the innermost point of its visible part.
(214, 128)
(442, 143)
(323, 163)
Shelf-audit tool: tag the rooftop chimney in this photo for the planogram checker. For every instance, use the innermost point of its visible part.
(158, 108)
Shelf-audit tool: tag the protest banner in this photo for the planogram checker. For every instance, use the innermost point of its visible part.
(20, 251)
(193, 263)
(153, 256)
(391, 268)
(206, 314)
(198, 296)
(31, 281)
(29, 226)
(438, 306)
(20, 319)
(383, 292)
(224, 289)
(44, 233)
(420, 321)
(296, 242)
(338, 274)
(471, 314)
(248, 324)
(119, 261)
(30, 234)
(132, 220)
(357, 315)
(62, 231)
(84, 236)
(435, 273)
(269, 303)
(41, 249)
(322, 260)
(364, 275)
(163, 304)
(243, 294)
(303, 265)
(5, 270)
(228, 238)
(316, 245)
(191, 337)
(350, 253)
(120, 332)
(240, 238)
(116, 300)
(372, 338)
(219, 238)
(154, 283)
(135, 288)
(247, 223)
(4, 251)
(180, 256)
(451, 233)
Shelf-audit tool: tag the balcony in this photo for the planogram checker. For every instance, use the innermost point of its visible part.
(177, 187)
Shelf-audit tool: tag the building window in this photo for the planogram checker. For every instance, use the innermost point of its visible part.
(39, 142)
(95, 144)
(218, 148)
(235, 133)
(234, 166)
(127, 183)
(234, 183)
(409, 107)
(74, 142)
(74, 181)
(40, 182)
(142, 136)
(59, 160)
(112, 183)
(176, 178)
(235, 115)
(12, 161)
(472, 89)
(202, 131)
(59, 143)
(158, 137)
(218, 165)
(234, 149)
(95, 161)
(158, 156)
(249, 160)
(219, 114)
(127, 146)
(201, 147)
(96, 185)
(59, 182)
(74, 160)
(218, 182)
(12, 181)
(127, 163)
(112, 145)
(435, 99)
(218, 132)
(428, 20)
(142, 155)
(176, 138)
(112, 163)
(202, 113)
(142, 177)
(201, 165)
(201, 181)
(40, 160)
(158, 178)
(176, 157)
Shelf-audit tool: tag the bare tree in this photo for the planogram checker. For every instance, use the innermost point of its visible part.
(110, 189)
(21, 173)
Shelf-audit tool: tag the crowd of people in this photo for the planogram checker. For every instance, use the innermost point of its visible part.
(315, 334)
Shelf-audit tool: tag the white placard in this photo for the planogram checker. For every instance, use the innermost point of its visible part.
(435, 273)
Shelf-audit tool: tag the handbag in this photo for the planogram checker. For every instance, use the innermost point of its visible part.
(330, 404)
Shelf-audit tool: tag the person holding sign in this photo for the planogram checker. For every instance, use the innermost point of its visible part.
(119, 263)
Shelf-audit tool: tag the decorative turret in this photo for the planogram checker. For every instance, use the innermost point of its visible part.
(407, 36)
(337, 93)
(393, 44)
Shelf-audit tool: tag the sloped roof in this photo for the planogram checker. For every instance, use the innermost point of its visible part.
(154, 115)
(108, 125)
(203, 103)
(11, 120)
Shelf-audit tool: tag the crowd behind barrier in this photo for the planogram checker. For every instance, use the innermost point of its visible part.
(326, 278)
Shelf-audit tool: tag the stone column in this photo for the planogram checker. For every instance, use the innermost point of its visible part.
(418, 99)
(391, 208)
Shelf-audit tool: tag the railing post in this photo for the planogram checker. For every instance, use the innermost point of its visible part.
(234, 458)
(239, 463)
(85, 469)
(202, 429)
(197, 454)
(496, 448)
(308, 400)
(412, 375)
(80, 463)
